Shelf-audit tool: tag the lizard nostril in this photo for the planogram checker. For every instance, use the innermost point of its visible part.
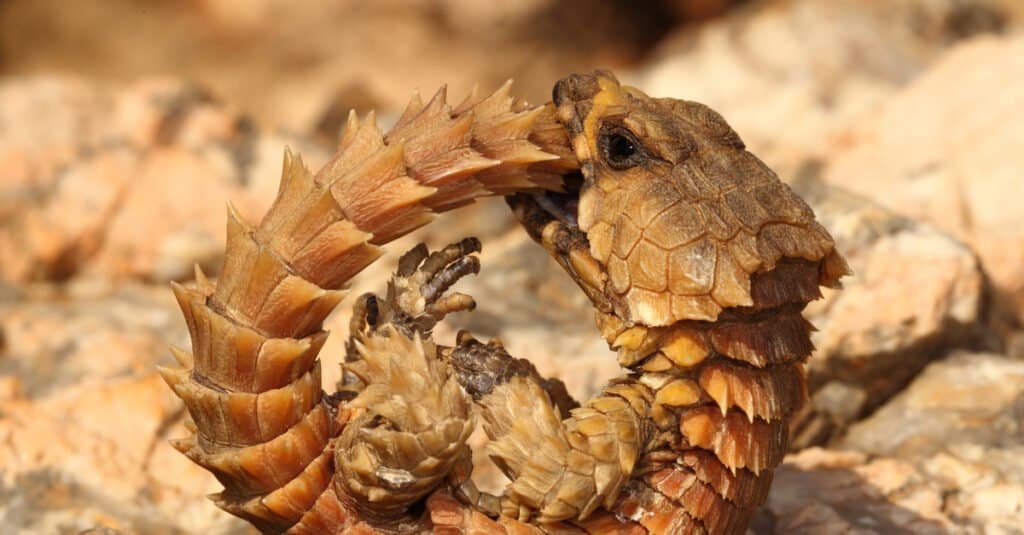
(574, 88)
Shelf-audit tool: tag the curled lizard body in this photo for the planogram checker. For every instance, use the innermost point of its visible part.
(696, 257)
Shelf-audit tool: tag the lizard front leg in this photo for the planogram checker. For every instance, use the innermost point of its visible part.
(560, 469)
(410, 418)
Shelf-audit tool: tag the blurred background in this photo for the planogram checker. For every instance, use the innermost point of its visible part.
(126, 125)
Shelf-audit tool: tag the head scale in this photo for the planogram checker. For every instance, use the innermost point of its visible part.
(679, 216)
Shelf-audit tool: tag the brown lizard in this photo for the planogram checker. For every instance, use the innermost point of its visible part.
(696, 257)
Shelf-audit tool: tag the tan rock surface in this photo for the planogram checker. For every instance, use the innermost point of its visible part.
(946, 150)
(961, 490)
(85, 418)
(789, 75)
(287, 73)
(914, 291)
(968, 398)
(138, 190)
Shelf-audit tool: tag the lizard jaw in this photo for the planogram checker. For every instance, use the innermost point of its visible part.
(551, 220)
(536, 210)
(563, 206)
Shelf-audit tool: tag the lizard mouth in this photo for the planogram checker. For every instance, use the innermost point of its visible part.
(536, 210)
(552, 220)
(563, 206)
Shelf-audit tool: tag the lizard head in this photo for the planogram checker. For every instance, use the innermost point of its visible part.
(675, 214)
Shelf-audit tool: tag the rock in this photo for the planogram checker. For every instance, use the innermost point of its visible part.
(968, 489)
(985, 485)
(945, 150)
(59, 338)
(43, 122)
(85, 417)
(914, 293)
(968, 398)
(69, 465)
(788, 75)
(690, 10)
(821, 491)
(139, 192)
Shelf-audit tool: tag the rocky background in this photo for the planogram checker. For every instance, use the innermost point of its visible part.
(125, 126)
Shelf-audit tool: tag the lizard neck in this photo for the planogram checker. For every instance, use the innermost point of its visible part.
(738, 378)
(722, 394)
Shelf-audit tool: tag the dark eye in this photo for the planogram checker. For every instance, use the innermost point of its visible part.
(620, 148)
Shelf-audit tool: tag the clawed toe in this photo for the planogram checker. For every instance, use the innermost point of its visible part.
(449, 275)
(416, 299)
(452, 253)
(456, 302)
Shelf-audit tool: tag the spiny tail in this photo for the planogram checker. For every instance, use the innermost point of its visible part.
(252, 384)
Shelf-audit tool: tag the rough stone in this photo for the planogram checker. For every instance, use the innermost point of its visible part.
(139, 189)
(85, 418)
(285, 74)
(913, 293)
(968, 398)
(946, 150)
(963, 490)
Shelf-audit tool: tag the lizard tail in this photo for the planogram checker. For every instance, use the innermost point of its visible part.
(252, 386)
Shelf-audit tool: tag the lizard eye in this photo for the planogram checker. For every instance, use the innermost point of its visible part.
(620, 148)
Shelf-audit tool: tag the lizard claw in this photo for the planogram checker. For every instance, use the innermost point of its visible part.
(365, 313)
(412, 258)
(416, 298)
(452, 253)
(449, 275)
(456, 302)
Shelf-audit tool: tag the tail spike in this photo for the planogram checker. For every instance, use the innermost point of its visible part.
(412, 109)
(438, 103)
(184, 358)
(366, 141)
(174, 377)
(348, 131)
(497, 102)
(182, 444)
(236, 223)
(202, 281)
(467, 103)
(287, 161)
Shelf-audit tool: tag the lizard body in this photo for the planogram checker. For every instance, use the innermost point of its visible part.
(696, 257)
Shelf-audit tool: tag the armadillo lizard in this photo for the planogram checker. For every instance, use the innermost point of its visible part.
(698, 261)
